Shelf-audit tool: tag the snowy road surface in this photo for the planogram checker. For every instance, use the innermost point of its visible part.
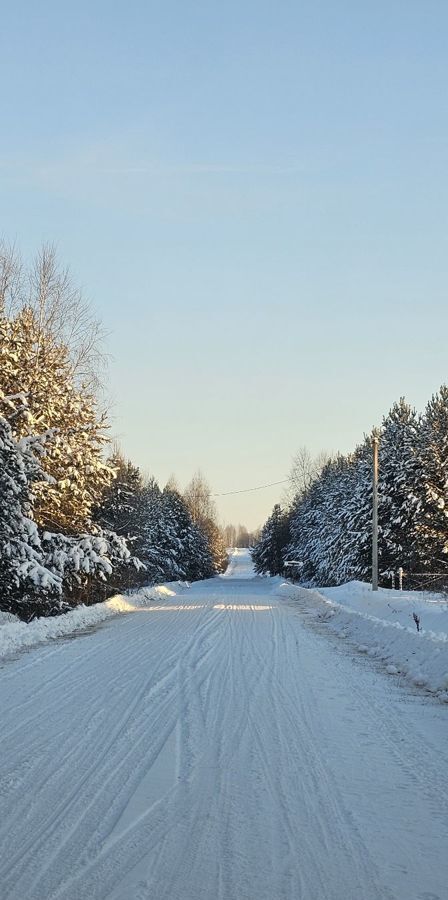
(213, 747)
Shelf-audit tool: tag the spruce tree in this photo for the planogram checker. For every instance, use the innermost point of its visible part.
(199, 500)
(194, 557)
(28, 587)
(268, 552)
(37, 371)
(171, 546)
(120, 508)
(356, 517)
(399, 490)
(156, 542)
(432, 512)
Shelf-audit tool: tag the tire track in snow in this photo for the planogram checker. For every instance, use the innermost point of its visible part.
(327, 814)
(196, 751)
(106, 849)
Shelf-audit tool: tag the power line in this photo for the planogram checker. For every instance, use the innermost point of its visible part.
(261, 487)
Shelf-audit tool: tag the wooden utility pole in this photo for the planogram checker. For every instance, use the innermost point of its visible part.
(375, 516)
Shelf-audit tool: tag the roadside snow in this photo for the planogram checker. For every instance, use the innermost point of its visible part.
(16, 635)
(210, 745)
(383, 625)
(6, 617)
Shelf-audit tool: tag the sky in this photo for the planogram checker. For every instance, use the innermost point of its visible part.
(254, 197)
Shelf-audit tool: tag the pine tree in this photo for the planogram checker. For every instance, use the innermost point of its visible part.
(121, 502)
(331, 521)
(37, 371)
(156, 541)
(216, 544)
(356, 517)
(399, 490)
(91, 566)
(268, 553)
(198, 498)
(195, 555)
(172, 547)
(53, 440)
(28, 587)
(318, 535)
(432, 513)
(331, 524)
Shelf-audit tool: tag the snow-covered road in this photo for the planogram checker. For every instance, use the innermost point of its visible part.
(213, 747)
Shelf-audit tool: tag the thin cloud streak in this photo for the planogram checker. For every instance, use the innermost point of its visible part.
(205, 169)
(198, 169)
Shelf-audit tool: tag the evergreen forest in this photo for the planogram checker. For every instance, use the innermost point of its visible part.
(325, 529)
(78, 521)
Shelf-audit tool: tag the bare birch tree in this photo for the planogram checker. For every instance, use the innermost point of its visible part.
(63, 315)
(304, 471)
(11, 278)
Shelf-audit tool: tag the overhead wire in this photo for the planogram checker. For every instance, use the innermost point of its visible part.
(260, 487)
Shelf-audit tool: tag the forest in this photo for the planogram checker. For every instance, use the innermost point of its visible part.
(78, 521)
(325, 527)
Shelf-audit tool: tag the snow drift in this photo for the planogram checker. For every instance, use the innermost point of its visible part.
(384, 626)
(16, 635)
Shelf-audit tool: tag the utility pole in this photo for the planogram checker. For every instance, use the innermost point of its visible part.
(375, 516)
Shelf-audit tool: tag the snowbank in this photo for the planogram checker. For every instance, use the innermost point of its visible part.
(7, 617)
(382, 625)
(16, 635)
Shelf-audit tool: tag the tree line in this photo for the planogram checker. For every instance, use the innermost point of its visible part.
(77, 521)
(240, 536)
(326, 527)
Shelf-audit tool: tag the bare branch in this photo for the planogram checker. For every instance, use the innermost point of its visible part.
(64, 314)
(11, 278)
(305, 469)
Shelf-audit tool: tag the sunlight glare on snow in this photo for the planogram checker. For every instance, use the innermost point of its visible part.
(237, 607)
(163, 589)
(182, 608)
(228, 607)
(119, 604)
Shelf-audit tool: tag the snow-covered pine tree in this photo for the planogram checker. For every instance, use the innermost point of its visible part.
(38, 371)
(399, 489)
(338, 482)
(28, 587)
(355, 534)
(199, 500)
(172, 547)
(304, 511)
(216, 544)
(331, 524)
(432, 512)
(121, 502)
(37, 394)
(156, 545)
(331, 521)
(195, 556)
(91, 566)
(268, 552)
(316, 531)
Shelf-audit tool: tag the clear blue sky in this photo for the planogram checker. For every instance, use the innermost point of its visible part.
(254, 195)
